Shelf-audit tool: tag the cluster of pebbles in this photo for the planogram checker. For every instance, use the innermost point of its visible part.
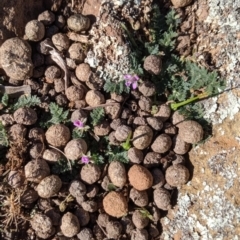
(160, 139)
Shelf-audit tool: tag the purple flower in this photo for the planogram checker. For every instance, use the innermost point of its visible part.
(131, 80)
(78, 124)
(85, 159)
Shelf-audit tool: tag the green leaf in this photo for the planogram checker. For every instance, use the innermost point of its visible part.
(167, 42)
(26, 101)
(97, 115)
(3, 136)
(111, 187)
(78, 133)
(97, 158)
(117, 154)
(115, 87)
(58, 114)
(5, 99)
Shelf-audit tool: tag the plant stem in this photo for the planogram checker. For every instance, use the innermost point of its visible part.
(126, 145)
(129, 35)
(175, 106)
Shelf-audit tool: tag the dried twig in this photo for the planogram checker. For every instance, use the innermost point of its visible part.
(69, 162)
(15, 91)
(78, 37)
(57, 58)
(100, 105)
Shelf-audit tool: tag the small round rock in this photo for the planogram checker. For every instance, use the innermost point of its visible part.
(15, 58)
(83, 72)
(75, 149)
(58, 135)
(25, 116)
(179, 146)
(113, 229)
(61, 41)
(49, 186)
(90, 173)
(190, 131)
(115, 204)
(15, 179)
(142, 137)
(42, 225)
(51, 155)
(69, 225)
(162, 143)
(123, 132)
(140, 178)
(46, 17)
(94, 98)
(76, 52)
(74, 93)
(85, 234)
(139, 220)
(35, 30)
(153, 64)
(139, 198)
(117, 173)
(36, 170)
(78, 22)
(162, 198)
(177, 175)
(135, 155)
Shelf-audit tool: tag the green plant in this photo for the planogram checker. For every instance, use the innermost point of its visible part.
(111, 187)
(145, 213)
(97, 115)
(78, 133)
(115, 87)
(5, 99)
(26, 101)
(58, 114)
(97, 158)
(3, 136)
(117, 154)
(63, 205)
(175, 106)
(64, 171)
(126, 145)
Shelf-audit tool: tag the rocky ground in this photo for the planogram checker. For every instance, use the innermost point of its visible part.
(207, 207)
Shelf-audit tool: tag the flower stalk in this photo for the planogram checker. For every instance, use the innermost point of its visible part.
(126, 145)
(175, 106)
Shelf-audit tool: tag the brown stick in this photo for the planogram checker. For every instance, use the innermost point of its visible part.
(15, 91)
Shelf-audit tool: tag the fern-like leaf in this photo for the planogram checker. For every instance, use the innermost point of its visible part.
(26, 101)
(115, 87)
(5, 99)
(58, 114)
(199, 77)
(117, 154)
(97, 115)
(97, 158)
(78, 133)
(3, 136)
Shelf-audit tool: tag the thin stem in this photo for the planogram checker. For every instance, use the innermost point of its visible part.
(175, 106)
(129, 35)
(69, 163)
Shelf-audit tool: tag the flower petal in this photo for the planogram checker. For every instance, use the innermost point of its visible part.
(127, 77)
(136, 77)
(134, 85)
(128, 83)
(85, 159)
(78, 124)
